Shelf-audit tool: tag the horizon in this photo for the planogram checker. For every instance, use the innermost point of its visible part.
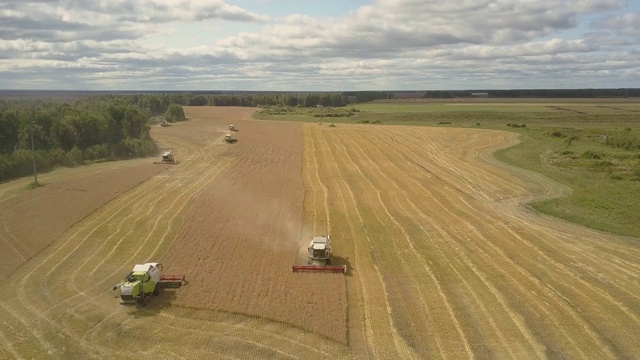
(225, 91)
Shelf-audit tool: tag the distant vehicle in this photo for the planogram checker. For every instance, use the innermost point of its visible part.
(167, 158)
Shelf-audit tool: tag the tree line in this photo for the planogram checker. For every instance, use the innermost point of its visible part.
(70, 134)
(535, 93)
(284, 99)
(157, 103)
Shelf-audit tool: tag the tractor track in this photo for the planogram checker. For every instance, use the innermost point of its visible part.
(380, 350)
(375, 202)
(408, 238)
(314, 182)
(560, 303)
(149, 192)
(367, 346)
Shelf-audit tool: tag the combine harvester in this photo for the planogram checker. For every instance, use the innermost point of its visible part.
(229, 139)
(320, 257)
(232, 128)
(167, 158)
(146, 281)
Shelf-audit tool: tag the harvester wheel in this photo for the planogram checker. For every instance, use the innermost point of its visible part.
(328, 261)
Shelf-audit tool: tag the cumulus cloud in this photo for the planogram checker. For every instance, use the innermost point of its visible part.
(392, 26)
(390, 44)
(626, 24)
(66, 20)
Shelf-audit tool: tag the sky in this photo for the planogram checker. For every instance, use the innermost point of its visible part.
(318, 45)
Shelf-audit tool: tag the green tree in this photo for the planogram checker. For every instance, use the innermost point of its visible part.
(63, 134)
(74, 157)
(9, 130)
(134, 123)
(90, 127)
(174, 113)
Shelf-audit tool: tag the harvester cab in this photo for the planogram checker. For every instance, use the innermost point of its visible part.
(145, 281)
(320, 251)
(167, 158)
(319, 257)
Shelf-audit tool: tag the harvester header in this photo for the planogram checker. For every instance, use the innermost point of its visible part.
(320, 268)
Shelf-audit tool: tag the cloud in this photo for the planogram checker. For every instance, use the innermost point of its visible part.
(391, 27)
(626, 24)
(67, 20)
(387, 44)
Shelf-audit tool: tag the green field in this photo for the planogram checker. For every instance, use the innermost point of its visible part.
(592, 146)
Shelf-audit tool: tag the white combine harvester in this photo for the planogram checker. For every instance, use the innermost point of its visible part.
(167, 158)
(319, 257)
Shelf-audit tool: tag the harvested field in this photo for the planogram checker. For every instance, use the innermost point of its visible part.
(444, 261)
(30, 222)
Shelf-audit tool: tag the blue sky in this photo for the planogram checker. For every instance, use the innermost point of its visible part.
(309, 45)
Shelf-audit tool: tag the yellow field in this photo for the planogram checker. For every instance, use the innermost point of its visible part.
(444, 260)
(447, 263)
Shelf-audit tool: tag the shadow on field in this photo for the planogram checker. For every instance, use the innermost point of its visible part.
(337, 260)
(156, 304)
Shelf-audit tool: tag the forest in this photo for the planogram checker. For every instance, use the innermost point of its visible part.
(69, 134)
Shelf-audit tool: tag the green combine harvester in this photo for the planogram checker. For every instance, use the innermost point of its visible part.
(146, 281)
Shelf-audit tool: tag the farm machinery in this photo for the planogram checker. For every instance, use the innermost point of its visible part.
(232, 128)
(319, 257)
(167, 158)
(165, 123)
(146, 281)
(229, 139)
